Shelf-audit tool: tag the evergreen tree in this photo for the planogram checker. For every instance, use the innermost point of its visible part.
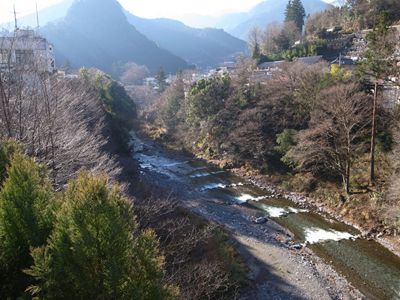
(95, 250)
(26, 217)
(161, 79)
(256, 52)
(174, 97)
(7, 149)
(207, 98)
(376, 64)
(296, 13)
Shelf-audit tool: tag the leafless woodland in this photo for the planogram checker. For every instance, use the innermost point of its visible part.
(60, 121)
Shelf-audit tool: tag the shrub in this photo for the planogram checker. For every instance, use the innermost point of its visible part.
(26, 218)
(96, 251)
(7, 149)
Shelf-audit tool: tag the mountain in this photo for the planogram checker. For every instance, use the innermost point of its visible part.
(264, 13)
(202, 47)
(97, 34)
(198, 21)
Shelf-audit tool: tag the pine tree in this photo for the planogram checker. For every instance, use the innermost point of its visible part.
(289, 13)
(161, 79)
(95, 250)
(256, 53)
(7, 149)
(296, 13)
(26, 217)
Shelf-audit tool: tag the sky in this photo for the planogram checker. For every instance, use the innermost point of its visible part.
(143, 8)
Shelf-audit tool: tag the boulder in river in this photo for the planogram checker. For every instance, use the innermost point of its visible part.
(259, 220)
(296, 247)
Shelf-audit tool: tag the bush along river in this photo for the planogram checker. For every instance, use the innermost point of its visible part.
(367, 265)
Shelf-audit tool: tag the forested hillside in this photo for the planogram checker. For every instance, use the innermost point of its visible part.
(317, 129)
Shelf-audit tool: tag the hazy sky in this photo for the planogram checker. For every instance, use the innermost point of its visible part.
(142, 8)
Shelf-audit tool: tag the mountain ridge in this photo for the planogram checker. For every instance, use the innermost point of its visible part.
(100, 36)
(203, 47)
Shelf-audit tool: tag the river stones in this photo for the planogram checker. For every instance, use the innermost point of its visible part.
(259, 220)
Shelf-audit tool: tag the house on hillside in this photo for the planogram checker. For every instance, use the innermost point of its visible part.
(309, 60)
(265, 70)
(230, 66)
(24, 49)
(270, 65)
(345, 63)
(334, 29)
(150, 81)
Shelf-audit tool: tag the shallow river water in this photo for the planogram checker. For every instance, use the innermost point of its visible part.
(370, 267)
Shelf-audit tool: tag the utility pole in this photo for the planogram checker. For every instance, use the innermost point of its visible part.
(15, 19)
(37, 19)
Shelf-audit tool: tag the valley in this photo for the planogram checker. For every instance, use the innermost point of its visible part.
(277, 255)
(169, 150)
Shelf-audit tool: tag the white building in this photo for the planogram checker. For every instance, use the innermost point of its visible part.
(27, 50)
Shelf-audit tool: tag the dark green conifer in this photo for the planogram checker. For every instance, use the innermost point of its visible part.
(7, 149)
(295, 13)
(26, 218)
(96, 251)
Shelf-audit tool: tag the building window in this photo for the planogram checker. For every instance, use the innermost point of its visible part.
(23, 57)
(4, 56)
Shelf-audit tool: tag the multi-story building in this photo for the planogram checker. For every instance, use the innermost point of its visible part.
(24, 49)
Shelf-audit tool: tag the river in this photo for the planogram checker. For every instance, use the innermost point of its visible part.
(367, 265)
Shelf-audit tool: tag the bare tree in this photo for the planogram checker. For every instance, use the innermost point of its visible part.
(60, 121)
(254, 41)
(134, 74)
(244, 69)
(269, 36)
(334, 138)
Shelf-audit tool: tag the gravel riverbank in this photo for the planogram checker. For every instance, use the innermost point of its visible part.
(278, 268)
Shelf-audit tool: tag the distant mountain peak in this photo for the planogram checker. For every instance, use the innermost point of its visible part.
(97, 34)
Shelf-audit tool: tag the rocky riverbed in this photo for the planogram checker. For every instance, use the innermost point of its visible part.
(380, 236)
(279, 267)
